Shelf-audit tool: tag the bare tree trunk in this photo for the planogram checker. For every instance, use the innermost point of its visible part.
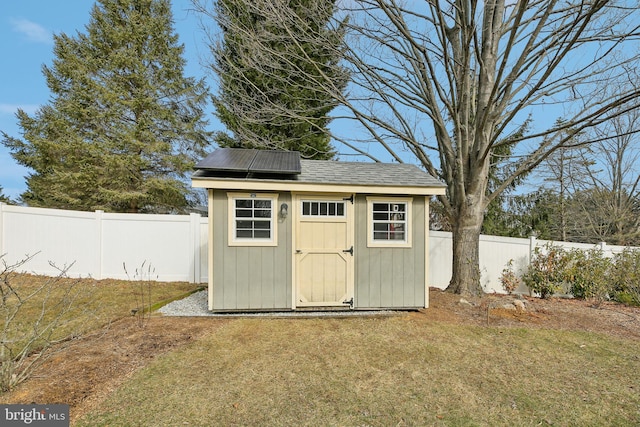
(466, 253)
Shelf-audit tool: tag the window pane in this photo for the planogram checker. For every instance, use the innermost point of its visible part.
(326, 209)
(244, 225)
(240, 203)
(264, 204)
(262, 213)
(396, 235)
(244, 213)
(380, 236)
(380, 216)
(380, 226)
(262, 234)
(265, 225)
(244, 234)
(381, 207)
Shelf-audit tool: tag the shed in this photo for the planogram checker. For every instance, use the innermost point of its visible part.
(287, 233)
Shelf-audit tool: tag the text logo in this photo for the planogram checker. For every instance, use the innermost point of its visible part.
(34, 415)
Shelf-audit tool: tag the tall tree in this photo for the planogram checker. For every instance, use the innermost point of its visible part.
(607, 197)
(268, 60)
(3, 198)
(124, 125)
(593, 190)
(564, 171)
(456, 78)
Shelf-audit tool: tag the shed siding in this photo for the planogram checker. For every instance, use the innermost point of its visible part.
(390, 277)
(250, 277)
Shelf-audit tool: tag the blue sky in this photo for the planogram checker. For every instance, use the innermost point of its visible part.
(26, 31)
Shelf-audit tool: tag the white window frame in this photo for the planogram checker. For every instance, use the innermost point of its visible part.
(380, 243)
(232, 225)
(327, 215)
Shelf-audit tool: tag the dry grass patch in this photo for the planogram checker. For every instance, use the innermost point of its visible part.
(96, 301)
(400, 370)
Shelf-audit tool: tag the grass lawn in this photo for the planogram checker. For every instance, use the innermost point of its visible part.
(386, 371)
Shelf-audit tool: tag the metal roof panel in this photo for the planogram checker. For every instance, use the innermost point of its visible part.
(284, 162)
(228, 159)
(251, 161)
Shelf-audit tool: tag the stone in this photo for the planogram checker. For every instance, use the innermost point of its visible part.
(465, 302)
(519, 305)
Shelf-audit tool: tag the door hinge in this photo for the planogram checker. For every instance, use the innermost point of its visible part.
(350, 251)
(350, 302)
(350, 198)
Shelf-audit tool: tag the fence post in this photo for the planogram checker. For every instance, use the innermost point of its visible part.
(532, 247)
(99, 246)
(195, 246)
(603, 248)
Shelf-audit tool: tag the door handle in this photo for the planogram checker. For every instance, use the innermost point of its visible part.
(350, 250)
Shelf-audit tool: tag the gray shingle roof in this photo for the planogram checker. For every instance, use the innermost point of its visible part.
(359, 173)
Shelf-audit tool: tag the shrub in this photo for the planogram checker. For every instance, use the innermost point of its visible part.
(584, 274)
(510, 281)
(546, 273)
(588, 273)
(625, 277)
(36, 319)
(142, 279)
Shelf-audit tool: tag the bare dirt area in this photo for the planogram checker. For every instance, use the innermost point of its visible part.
(87, 370)
(529, 312)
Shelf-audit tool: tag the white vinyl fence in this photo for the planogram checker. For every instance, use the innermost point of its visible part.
(100, 245)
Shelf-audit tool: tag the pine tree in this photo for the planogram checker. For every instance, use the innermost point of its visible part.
(268, 63)
(124, 125)
(3, 198)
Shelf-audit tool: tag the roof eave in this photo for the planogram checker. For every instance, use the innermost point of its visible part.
(313, 187)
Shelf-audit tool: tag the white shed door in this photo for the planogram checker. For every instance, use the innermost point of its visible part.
(324, 251)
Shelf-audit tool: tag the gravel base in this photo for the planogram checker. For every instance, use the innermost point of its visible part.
(196, 305)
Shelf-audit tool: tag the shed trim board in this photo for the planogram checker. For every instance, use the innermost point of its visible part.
(278, 186)
(426, 252)
(325, 252)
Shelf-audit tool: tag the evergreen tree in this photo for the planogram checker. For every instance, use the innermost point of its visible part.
(268, 63)
(124, 125)
(3, 198)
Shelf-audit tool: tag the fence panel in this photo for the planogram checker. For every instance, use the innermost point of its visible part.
(162, 242)
(440, 251)
(204, 251)
(52, 236)
(495, 254)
